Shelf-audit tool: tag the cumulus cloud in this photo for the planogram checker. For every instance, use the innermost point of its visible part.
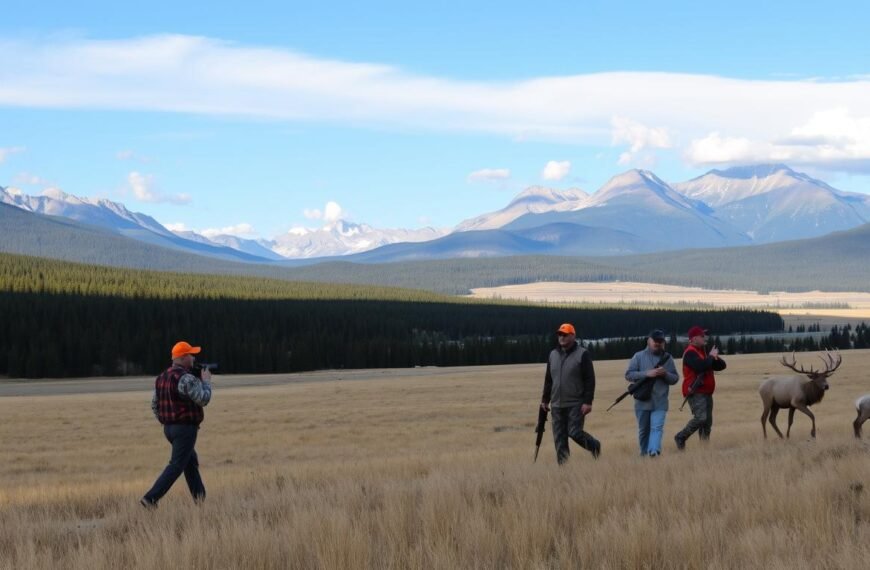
(143, 189)
(238, 230)
(833, 138)
(556, 170)
(176, 227)
(638, 137)
(332, 212)
(6, 152)
(189, 74)
(490, 175)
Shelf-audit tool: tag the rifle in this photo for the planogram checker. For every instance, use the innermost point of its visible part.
(539, 429)
(632, 388)
(699, 379)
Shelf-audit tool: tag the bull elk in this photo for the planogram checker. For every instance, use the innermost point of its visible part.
(795, 392)
(863, 405)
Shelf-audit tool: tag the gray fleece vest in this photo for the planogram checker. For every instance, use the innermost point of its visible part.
(568, 385)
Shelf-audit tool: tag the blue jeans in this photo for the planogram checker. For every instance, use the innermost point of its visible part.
(650, 427)
(183, 460)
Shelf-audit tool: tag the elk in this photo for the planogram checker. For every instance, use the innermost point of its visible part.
(795, 392)
(863, 405)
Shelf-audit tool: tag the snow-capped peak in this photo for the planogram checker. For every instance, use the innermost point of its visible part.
(719, 187)
(532, 200)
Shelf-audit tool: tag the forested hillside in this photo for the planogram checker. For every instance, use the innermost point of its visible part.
(837, 262)
(63, 319)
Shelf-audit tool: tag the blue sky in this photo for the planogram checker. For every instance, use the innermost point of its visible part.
(252, 117)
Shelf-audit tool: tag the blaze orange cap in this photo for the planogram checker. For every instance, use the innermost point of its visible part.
(567, 328)
(182, 348)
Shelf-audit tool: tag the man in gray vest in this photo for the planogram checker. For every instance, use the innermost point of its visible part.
(569, 388)
(653, 372)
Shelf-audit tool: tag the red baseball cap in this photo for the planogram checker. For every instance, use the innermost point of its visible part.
(567, 328)
(697, 331)
(183, 348)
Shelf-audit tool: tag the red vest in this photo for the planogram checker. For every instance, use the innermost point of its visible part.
(689, 374)
(172, 407)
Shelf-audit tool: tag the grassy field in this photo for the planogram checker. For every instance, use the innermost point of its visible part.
(432, 469)
(845, 306)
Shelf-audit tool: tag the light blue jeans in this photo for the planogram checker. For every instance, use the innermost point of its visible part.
(650, 427)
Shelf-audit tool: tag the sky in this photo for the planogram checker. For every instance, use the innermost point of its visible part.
(256, 118)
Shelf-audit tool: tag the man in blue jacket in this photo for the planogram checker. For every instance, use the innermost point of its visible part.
(569, 388)
(655, 369)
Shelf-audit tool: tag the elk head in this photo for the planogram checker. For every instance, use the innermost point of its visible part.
(820, 377)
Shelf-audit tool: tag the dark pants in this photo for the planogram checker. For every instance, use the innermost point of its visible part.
(183, 460)
(702, 417)
(568, 422)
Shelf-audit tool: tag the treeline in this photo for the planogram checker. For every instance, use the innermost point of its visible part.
(60, 335)
(839, 338)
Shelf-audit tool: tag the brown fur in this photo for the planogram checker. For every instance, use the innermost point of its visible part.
(795, 392)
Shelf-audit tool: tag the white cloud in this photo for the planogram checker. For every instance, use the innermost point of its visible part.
(142, 187)
(332, 212)
(177, 227)
(833, 138)
(238, 230)
(556, 170)
(188, 74)
(490, 175)
(6, 152)
(639, 138)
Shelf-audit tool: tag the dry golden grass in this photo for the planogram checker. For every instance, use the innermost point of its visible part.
(433, 471)
(812, 303)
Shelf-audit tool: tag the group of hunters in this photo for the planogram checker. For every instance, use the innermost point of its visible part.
(183, 390)
(569, 388)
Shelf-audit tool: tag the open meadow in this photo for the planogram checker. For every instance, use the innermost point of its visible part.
(842, 306)
(429, 468)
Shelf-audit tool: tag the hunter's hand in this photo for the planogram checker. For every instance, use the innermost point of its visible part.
(206, 375)
(586, 409)
(714, 352)
(545, 406)
(655, 372)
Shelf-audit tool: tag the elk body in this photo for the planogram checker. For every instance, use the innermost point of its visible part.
(797, 392)
(863, 405)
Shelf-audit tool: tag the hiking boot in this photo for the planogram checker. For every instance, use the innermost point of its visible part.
(680, 441)
(596, 449)
(147, 503)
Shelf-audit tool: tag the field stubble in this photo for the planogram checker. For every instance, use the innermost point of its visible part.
(434, 472)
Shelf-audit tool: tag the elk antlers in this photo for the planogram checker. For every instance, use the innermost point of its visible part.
(831, 362)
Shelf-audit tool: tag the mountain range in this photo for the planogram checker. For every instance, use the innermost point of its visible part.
(635, 212)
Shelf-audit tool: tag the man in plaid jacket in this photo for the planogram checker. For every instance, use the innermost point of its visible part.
(177, 402)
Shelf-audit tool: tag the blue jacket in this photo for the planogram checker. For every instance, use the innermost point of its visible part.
(637, 367)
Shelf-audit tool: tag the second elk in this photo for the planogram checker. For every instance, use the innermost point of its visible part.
(796, 392)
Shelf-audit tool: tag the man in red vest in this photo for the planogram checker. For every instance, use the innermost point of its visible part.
(178, 401)
(699, 385)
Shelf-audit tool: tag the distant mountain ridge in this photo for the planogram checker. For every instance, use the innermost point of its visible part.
(774, 203)
(634, 212)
